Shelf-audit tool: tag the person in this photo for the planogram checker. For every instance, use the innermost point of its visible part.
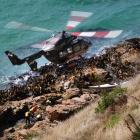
(32, 112)
(33, 109)
(27, 117)
(63, 34)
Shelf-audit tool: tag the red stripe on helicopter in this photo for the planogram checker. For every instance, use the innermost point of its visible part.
(76, 33)
(91, 34)
(69, 28)
(77, 18)
(101, 34)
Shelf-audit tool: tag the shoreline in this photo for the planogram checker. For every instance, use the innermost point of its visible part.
(96, 61)
(61, 91)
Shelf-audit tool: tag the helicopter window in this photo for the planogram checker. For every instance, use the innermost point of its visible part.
(69, 50)
(76, 48)
(62, 54)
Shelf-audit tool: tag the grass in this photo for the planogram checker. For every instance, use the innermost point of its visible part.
(113, 120)
(108, 99)
(134, 107)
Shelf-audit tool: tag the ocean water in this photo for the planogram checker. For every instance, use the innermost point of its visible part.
(53, 15)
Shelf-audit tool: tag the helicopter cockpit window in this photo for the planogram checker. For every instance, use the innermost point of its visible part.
(69, 50)
(76, 48)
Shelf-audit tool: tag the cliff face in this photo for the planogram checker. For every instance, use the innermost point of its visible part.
(59, 93)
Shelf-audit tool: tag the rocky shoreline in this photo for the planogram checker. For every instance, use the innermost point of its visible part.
(59, 92)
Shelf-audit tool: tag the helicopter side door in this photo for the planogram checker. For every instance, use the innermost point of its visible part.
(71, 52)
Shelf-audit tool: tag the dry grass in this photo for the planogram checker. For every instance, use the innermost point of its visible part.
(133, 85)
(87, 125)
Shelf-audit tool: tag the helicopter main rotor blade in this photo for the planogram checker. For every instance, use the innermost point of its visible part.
(99, 34)
(46, 45)
(19, 25)
(76, 17)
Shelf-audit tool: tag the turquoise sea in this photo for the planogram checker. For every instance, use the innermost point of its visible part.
(53, 15)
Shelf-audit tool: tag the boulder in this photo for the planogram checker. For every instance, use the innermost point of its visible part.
(67, 107)
(70, 93)
(10, 130)
(22, 133)
(67, 102)
(52, 113)
(60, 112)
(78, 100)
(100, 73)
(86, 97)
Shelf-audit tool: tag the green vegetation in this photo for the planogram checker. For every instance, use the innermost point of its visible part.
(113, 120)
(108, 99)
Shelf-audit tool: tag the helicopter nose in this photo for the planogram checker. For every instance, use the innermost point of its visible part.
(47, 47)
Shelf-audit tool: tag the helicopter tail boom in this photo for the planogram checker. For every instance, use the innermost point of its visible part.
(14, 58)
(30, 59)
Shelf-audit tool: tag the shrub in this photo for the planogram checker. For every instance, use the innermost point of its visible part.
(108, 99)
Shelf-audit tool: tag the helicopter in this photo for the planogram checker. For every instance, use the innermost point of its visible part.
(63, 46)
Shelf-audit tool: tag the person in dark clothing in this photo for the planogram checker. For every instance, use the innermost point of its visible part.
(63, 34)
